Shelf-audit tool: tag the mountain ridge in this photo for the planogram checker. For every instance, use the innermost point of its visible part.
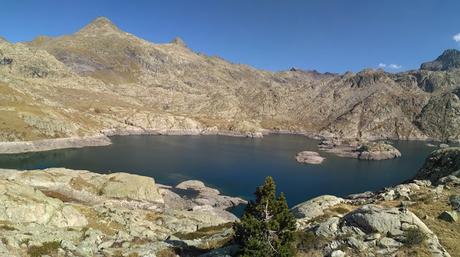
(448, 60)
(115, 81)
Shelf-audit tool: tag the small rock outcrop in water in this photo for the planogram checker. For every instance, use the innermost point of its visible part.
(360, 150)
(377, 151)
(309, 157)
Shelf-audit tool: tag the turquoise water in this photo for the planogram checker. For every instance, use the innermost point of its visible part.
(234, 165)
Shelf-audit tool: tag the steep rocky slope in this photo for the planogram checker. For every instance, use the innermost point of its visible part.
(103, 79)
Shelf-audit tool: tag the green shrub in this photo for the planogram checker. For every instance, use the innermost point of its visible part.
(46, 248)
(413, 236)
(307, 241)
(7, 227)
(267, 226)
(204, 232)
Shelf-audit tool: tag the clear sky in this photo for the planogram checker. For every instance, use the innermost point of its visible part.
(325, 35)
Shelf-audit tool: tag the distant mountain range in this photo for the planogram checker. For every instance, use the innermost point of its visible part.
(102, 79)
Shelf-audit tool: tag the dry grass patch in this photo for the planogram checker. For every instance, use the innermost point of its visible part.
(153, 216)
(79, 184)
(340, 209)
(168, 252)
(204, 232)
(99, 222)
(57, 195)
(7, 227)
(48, 248)
(448, 233)
(309, 244)
(420, 251)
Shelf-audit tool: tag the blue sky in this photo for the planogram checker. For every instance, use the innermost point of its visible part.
(325, 35)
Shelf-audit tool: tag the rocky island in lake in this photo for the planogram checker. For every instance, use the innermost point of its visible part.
(309, 157)
(360, 149)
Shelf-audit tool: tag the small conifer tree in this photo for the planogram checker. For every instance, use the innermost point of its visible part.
(267, 227)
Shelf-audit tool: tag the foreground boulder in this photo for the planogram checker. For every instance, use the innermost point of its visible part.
(80, 185)
(133, 187)
(306, 211)
(328, 225)
(22, 204)
(387, 221)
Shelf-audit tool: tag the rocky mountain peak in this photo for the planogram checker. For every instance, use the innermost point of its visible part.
(99, 26)
(3, 40)
(178, 41)
(448, 60)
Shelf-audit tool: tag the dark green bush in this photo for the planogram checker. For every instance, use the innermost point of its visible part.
(267, 227)
(413, 236)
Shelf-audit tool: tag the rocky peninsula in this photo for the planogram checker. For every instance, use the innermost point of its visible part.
(359, 149)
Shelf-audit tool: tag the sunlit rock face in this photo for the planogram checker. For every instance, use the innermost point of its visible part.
(81, 213)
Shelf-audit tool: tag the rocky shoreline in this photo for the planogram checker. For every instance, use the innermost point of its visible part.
(53, 144)
(16, 147)
(41, 145)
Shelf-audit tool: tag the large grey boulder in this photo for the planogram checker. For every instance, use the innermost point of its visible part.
(454, 201)
(306, 211)
(449, 216)
(24, 204)
(89, 187)
(130, 186)
(377, 219)
(374, 230)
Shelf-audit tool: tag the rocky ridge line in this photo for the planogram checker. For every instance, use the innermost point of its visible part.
(76, 86)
